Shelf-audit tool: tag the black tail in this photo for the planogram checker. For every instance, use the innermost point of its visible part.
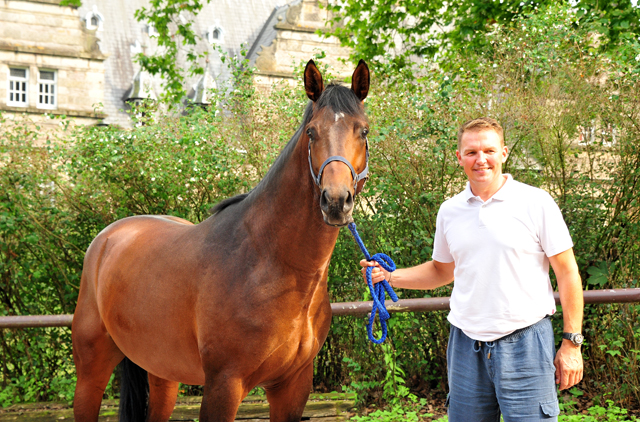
(134, 392)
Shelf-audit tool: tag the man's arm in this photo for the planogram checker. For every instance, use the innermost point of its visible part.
(425, 276)
(568, 360)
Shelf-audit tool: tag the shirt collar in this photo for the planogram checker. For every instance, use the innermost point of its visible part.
(503, 192)
(501, 195)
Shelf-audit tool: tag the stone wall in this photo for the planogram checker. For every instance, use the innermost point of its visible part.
(296, 41)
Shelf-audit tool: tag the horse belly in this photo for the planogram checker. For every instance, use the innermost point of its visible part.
(163, 348)
(146, 299)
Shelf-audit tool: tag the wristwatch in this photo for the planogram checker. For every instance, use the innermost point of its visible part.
(576, 338)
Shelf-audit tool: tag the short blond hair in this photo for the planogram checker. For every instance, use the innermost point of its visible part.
(480, 124)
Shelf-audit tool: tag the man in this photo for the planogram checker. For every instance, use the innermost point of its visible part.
(497, 238)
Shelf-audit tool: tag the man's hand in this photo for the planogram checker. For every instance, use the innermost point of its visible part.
(377, 275)
(568, 363)
(425, 276)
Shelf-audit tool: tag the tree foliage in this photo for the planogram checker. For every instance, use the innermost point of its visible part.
(398, 33)
(172, 20)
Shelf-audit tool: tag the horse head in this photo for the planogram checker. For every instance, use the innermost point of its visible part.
(338, 146)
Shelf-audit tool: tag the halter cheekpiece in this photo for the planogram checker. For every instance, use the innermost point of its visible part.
(356, 177)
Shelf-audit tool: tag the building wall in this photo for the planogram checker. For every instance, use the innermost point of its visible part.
(42, 35)
(294, 40)
(94, 61)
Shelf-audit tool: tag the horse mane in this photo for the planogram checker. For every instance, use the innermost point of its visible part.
(227, 202)
(338, 98)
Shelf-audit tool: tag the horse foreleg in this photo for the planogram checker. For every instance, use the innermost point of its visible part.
(287, 401)
(221, 399)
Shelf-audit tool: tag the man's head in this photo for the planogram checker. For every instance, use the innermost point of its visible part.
(479, 124)
(481, 152)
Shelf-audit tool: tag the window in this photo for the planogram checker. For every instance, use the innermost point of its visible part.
(94, 19)
(215, 35)
(47, 89)
(18, 83)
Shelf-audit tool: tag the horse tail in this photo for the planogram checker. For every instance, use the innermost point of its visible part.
(134, 392)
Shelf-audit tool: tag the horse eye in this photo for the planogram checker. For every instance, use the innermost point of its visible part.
(365, 132)
(309, 134)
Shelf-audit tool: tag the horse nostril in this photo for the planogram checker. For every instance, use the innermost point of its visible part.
(324, 201)
(348, 203)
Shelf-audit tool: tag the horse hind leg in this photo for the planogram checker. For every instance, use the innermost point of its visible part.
(95, 356)
(162, 398)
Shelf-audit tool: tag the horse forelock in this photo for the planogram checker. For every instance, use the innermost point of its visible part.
(338, 99)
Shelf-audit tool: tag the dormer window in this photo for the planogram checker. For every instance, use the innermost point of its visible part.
(215, 35)
(94, 19)
(151, 30)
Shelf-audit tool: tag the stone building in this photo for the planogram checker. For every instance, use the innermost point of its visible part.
(80, 61)
(290, 36)
(49, 63)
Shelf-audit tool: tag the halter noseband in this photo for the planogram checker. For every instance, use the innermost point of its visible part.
(356, 177)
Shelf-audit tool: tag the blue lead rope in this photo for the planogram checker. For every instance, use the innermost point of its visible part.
(377, 292)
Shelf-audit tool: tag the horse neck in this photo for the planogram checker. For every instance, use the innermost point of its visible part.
(286, 215)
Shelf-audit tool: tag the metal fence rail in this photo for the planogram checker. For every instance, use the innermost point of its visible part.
(442, 303)
(346, 308)
(34, 321)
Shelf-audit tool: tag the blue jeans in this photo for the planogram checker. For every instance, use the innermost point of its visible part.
(513, 376)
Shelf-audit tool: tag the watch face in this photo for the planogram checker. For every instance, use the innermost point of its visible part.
(578, 338)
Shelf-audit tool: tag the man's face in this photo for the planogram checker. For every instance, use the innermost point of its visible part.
(481, 155)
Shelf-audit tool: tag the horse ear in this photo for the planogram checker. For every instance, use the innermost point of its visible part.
(360, 80)
(313, 81)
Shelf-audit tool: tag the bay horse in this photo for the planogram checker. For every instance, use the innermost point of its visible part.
(237, 301)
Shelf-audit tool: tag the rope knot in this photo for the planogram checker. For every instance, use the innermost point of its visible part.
(377, 292)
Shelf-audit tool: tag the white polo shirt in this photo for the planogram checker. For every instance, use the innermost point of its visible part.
(500, 248)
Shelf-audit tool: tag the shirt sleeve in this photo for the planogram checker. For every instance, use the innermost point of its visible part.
(554, 234)
(441, 252)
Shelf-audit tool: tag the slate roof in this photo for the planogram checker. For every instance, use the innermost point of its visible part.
(122, 36)
(268, 32)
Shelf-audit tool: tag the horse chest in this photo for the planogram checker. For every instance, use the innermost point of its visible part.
(296, 351)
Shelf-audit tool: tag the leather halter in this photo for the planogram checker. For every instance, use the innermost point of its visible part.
(356, 177)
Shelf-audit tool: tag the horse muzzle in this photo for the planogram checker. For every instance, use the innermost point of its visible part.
(336, 206)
